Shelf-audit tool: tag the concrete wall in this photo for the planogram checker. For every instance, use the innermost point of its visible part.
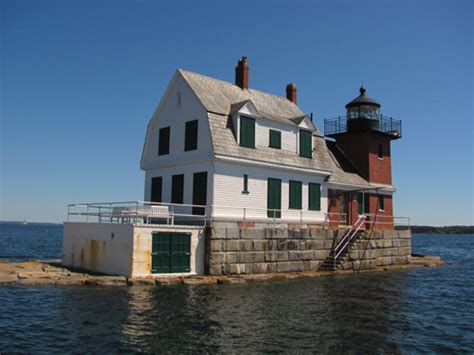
(121, 249)
(241, 249)
(100, 247)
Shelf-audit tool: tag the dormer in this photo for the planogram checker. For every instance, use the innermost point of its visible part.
(244, 115)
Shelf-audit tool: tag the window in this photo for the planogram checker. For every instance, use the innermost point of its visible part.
(178, 99)
(274, 198)
(246, 184)
(381, 203)
(380, 151)
(360, 203)
(275, 139)
(191, 135)
(247, 132)
(156, 189)
(164, 141)
(177, 186)
(305, 143)
(200, 192)
(314, 197)
(295, 195)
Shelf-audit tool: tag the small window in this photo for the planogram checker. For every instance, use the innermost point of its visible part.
(164, 141)
(275, 139)
(178, 99)
(380, 151)
(381, 203)
(177, 187)
(247, 132)
(305, 144)
(191, 135)
(295, 195)
(246, 184)
(314, 197)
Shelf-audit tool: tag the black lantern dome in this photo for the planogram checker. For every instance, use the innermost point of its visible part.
(363, 113)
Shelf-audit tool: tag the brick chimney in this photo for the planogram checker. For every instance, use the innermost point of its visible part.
(242, 74)
(291, 92)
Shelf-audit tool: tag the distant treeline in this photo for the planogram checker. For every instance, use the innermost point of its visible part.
(443, 230)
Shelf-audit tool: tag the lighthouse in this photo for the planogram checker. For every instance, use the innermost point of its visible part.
(364, 136)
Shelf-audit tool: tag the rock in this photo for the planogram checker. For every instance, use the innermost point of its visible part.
(149, 281)
(200, 280)
(8, 279)
(37, 281)
(170, 280)
(230, 280)
(107, 281)
(71, 281)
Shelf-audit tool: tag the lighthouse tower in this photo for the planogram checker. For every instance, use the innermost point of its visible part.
(364, 136)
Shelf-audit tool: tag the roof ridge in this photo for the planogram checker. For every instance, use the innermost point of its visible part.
(229, 83)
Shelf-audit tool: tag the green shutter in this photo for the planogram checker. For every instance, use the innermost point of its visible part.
(295, 195)
(191, 135)
(156, 189)
(305, 143)
(199, 192)
(180, 252)
(160, 252)
(247, 132)
(274, 198)
(275, 139)
(360, 202)
(164, 141)
(177, 186)
(314, 197)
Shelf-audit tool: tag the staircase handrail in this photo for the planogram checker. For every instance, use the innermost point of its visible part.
(348, 237)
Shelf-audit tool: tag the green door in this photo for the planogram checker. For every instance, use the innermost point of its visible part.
(274, 198)
(170, 252)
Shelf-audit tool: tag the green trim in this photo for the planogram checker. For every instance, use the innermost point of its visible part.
(191, 135)
(164, 141)
(275, 139)
(306, 146)
(247, 132)
(314, 197)
(295, 195)
(274, 198)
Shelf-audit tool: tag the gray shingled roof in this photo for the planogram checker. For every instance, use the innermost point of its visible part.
(224, 143)
(218, 96)
(221, 99)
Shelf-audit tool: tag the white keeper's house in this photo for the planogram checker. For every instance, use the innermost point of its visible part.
(241, 151)
(241, 181)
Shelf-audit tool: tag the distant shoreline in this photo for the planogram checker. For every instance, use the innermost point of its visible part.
(442, 230)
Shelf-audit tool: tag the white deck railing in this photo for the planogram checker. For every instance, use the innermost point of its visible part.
(145, 212)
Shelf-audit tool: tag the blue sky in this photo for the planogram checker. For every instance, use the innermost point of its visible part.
(81, 79)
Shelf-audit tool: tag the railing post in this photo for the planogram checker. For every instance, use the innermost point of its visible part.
(172, 215)
(245, 213)
(100, 216)
(301, 219)
(110, 212)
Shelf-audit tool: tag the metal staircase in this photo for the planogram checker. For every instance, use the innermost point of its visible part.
(339, 253)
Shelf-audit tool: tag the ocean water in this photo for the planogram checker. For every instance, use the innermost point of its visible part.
(425, 310)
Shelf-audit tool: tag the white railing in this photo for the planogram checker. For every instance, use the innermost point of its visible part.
(138, 212)
(342, 245)
(381, 221)
(145, 212)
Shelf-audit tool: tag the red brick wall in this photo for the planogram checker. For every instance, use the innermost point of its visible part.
(362, 150)
(384, 218)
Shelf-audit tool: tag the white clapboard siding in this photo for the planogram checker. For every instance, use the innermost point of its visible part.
(188, 171)
(289, 135)
(228, 187)
(175, 115)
